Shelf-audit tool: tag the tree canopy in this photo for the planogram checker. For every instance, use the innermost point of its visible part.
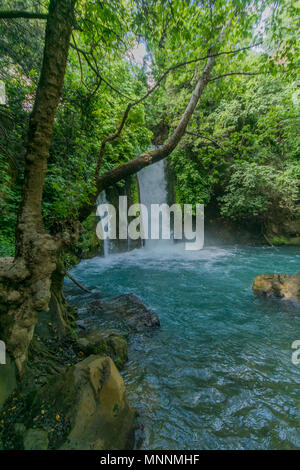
(142, 58)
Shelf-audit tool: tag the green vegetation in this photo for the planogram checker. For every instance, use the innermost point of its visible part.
(246, 156)
(240, 151)
(94, 92)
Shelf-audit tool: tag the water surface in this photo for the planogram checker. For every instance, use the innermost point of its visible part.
(218, 373)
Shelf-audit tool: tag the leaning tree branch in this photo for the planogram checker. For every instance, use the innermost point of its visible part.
(133, 166)
(96, 71)
(13, 14)
(81, 286)
(150, 91)
(110, 138)
(217, 77)
(203, 136)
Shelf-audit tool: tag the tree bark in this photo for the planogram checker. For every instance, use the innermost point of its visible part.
(25, 285)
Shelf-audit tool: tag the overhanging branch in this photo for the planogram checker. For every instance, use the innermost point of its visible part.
(133, 166)
(96, 71)
(13, 14)
(163, 76)
(150, 91)
(228, 74)
(203, 136)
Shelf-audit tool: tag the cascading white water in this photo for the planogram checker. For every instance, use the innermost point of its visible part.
(106, 227)
(153, 190)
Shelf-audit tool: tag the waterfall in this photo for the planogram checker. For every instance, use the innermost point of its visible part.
(153, 190)
(106, 227)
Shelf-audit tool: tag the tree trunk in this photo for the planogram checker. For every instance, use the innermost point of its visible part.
(25, 284)
(63, 316)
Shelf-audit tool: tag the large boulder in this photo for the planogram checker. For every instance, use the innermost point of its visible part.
(278, 285)
(128, 309)
(89, 407)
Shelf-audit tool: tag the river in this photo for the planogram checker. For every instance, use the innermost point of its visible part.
(218, 373)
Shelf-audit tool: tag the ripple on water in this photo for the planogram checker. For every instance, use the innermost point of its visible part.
(218, 374)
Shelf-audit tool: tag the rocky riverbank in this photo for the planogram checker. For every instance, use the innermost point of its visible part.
(278, 285)
(72, 395)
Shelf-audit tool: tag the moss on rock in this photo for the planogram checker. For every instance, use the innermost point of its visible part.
(105, 343)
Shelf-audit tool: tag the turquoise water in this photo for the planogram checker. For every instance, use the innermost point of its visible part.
(218, 373)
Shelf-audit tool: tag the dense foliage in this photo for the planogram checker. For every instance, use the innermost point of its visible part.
(241, 149)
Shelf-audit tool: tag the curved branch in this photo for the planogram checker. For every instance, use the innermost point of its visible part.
(192, 61)
(203, 136)
(79, 59)
(133, 166)
(110, 138)
(235, 73)
(151, 90)
(163, 76)
(96, 71)
(81, 286)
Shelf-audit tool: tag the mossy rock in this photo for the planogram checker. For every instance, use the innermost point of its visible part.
(287, 241)
(105, 343)
(127, 310)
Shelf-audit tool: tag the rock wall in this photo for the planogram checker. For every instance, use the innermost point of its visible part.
(285, 232)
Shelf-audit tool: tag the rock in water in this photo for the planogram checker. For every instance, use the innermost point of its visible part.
(90, 398)
(127, 308)
(278, 285)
